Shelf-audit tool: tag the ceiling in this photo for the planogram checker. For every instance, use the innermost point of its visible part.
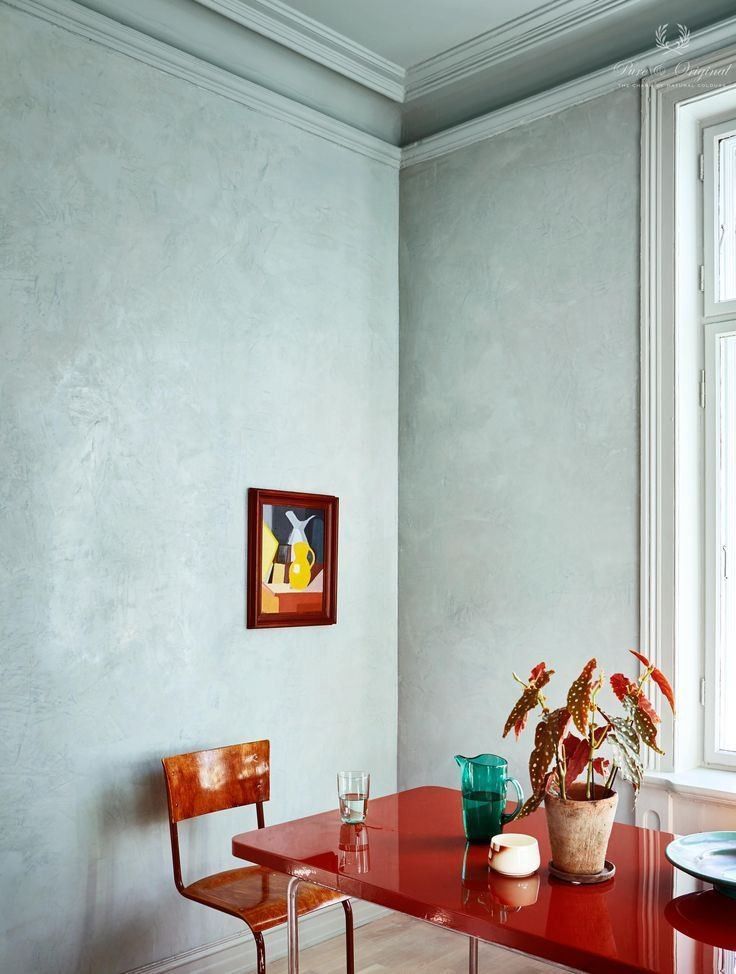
(405, 70)
(409, 31)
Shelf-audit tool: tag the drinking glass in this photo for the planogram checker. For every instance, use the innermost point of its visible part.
(352, 790)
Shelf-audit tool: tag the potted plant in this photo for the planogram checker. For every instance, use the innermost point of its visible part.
(568, 770)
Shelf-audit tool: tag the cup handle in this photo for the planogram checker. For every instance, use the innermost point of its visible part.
(519, 801)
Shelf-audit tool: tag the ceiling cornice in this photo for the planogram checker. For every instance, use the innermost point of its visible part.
(314, 40)
(505, 42)
(95, 26)
(134, 43)
(708, 41)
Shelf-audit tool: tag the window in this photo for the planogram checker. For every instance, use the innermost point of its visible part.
(719, 157)
(688, 336)
(719, 238)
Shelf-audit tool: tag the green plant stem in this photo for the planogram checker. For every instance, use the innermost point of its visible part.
(612, 777)
(647, 673)
(591, 733)
(561, 771)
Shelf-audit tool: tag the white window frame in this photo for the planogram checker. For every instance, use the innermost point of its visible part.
(711, 136)
(714, 565)
(672, 630)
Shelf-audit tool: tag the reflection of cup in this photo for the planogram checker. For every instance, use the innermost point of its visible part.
(514, 854)
(353, 851)
(499, 896)
(514, 892)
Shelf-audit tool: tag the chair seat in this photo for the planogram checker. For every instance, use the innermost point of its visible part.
(257, 895)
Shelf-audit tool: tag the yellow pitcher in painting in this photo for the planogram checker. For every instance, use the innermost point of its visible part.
(300, 570)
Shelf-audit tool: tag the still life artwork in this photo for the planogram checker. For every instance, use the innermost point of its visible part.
(292, 559)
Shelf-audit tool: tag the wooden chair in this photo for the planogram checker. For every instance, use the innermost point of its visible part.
(230, 777)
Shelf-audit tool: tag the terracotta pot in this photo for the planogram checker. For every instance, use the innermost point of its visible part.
(579, 829)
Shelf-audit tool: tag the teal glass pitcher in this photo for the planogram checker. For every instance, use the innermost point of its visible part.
(483, 785)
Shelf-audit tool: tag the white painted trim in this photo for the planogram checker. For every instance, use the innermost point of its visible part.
(504, 42)
(237, 954)
(564, 96)
(96, 27)
(705, 784)
(671, 596)
(693, 801)
(315, 41)
(656, 621)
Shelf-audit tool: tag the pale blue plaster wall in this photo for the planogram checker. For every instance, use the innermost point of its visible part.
(194, 299)
(519, 441)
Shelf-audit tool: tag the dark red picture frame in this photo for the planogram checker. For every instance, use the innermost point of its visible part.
(256, 617)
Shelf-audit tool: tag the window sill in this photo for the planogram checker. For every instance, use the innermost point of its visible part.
(707, 783)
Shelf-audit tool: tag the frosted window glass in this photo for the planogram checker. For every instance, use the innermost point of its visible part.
(727, 219)
(726, 640)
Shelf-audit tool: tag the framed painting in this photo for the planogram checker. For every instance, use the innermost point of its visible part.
(292, 559)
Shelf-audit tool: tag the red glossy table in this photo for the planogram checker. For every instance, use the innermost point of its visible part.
(411, 856)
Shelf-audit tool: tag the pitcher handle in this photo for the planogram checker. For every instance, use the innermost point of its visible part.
(519, 801)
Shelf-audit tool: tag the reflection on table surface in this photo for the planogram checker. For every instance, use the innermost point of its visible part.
(411, 855)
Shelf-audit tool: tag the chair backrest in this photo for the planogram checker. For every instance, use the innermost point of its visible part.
(224, 777)
(210, 781)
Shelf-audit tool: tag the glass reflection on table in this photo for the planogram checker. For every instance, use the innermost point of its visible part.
(353, 855)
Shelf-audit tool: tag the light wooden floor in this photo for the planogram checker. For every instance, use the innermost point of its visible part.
(398, 943)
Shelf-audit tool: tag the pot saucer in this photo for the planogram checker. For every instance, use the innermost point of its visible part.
(587, 879)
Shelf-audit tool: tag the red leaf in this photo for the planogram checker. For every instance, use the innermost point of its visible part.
(540, 677)
(664, 685)
(518, 716)
(645, 726)
(535, 800)
(622, 685)
(600, 734)
(659, 678)
(642, 659)
(537, 671)
(600, 766)
(541, 757)
(643, 703)
(547, 737)
(578, 697)
(559, 721)
(577, 753)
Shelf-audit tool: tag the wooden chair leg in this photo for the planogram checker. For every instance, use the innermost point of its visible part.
(260, 952)
(349, 943)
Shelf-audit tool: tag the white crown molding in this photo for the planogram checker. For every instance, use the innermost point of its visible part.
(507, 41)
(237, 955)
(314, 40)
(590, 86)
(93, 26)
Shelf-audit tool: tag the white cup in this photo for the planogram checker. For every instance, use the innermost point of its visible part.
(514, 854)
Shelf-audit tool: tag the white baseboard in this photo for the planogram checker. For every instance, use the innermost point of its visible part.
(237, 955)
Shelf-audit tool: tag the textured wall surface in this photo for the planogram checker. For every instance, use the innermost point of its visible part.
(195, 299)
(519, 437)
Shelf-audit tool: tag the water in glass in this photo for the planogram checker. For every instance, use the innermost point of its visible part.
(352, 790)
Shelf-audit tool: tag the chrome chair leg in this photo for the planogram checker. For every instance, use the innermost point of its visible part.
(292, 924)
(349, 940)
(260, 952)
(472, 955)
